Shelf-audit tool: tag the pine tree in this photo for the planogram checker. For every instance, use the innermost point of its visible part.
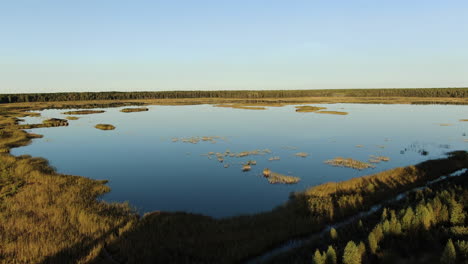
(408, 219)
(333, 233)
(449, 256)
(362, 248)
(456, 213)
(351, 254)
(360, 224)
(384, 214)
(318, 257)
(373, 245)
(331, 256)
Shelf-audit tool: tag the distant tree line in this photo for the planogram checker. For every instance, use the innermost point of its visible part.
(250, 94)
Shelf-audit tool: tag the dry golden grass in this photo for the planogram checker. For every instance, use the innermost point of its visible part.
(308, 108)
(240, 106)
(72, 118)
(48, 217)
(130, 110)
(195, 140)
(332, 112)
(349, 163)
(84, 112)
(275, 178)
(105, 127)
(378, 159)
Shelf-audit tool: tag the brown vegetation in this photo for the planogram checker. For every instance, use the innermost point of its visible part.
(308, 108)
(195, 140)
(130, 110)
(301, 154)
(349, 163)
(52, 122)
(84, 112)
(275, 178)
(48, 217)
(241, 106)
(332, 112)
(105, 127)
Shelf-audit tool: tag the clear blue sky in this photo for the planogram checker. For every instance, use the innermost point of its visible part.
(102, 45)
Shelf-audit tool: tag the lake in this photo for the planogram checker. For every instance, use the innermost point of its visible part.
(148, 169)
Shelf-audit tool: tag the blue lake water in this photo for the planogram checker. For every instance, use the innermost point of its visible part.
(145, 167)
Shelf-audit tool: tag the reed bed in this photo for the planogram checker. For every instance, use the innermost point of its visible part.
(332, 112)
(84, 112)
(105, 127)
(308, 108)
(301, 154)
(277, 178)
(131, 110)
(349, 163)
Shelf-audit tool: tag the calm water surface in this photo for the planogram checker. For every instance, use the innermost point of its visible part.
(150, 171)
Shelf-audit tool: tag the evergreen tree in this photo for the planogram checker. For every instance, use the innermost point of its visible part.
(333, 233)
(373, 245)
(351, 254)
(457, 215)
(384, 214)
(362, 248)
(449, 256)
(318, 257)
(386, 227)
(331, 256)
(408, 219)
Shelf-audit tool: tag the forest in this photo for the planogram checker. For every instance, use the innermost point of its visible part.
(427, 226)
(250, 94)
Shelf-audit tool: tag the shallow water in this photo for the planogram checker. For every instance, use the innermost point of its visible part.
(150, 171)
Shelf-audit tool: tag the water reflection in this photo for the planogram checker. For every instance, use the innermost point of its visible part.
(149, 169)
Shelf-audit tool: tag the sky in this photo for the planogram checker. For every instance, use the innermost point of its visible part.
(113, 45)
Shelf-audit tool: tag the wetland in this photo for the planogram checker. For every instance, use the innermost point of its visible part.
(216, 175)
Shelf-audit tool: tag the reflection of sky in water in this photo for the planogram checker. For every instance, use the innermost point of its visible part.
(151, 172)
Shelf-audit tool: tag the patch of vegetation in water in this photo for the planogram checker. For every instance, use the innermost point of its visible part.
(349, 163)
(378, 159)
(84, 112)
(275, 178)
(301, 154)
(130, 110)
(195, 140)
(332, 112)
(241, 106)
(274, 158)
(463, 120)
(105, 127)
(308, 108)
(289, 147)
(72, 118)
(445, 124)
(51, 122)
